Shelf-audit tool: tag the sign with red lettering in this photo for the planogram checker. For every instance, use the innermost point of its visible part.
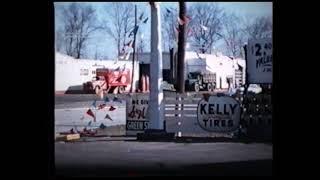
(219, 114)
(137, 107)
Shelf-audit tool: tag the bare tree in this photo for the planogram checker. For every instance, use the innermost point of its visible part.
(169, 26)
(79, 24)
(261, 27)
(233, 35)
(205, 26)
(122, 22)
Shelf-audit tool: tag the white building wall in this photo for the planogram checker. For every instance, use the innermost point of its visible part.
(144, 58)
(69, 71)
(222, 65)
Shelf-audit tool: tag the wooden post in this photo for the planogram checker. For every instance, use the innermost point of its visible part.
(134, 48)
(181, 48)
(171, 66)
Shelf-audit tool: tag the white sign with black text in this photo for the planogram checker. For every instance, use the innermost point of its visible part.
(219, 114)
(136, 114)
(259, 61)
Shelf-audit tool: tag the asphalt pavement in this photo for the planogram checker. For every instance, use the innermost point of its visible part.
(132, 158)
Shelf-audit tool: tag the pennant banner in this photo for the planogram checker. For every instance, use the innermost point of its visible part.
(145, 21)
(187, 19)
(102, 126)
(129, 43)
(180, 21)
(101, 106)
(90, 113)
(112, 108)
(168, 11)
(108, 117)
(134, 31)
(115, 99)
(140, 18)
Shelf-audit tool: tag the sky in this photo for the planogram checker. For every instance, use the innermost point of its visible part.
(106, 46)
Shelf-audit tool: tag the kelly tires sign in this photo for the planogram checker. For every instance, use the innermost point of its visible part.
(219, 114)
(259, 61)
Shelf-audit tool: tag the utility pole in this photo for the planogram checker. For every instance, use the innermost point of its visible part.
(181, 49)
(156, 127)
(156, 106)
(134, 47)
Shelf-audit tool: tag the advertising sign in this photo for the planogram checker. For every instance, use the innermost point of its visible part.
(259, 61)
(136, 113)
(219, 114)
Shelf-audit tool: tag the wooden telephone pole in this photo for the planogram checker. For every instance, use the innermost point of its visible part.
(181, 49)
(134, 46)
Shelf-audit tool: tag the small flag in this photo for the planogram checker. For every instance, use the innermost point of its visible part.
(89, 124)
(102, 126)
(101, 106)
(108, 117)
(94, 103)
(180, 21)
(129, 43)
(134, 31)
(186, 19)
(90, 113)
(145, 21)
(112, 108)
(168, 11)
(140, 18)
(71, 131)
(115, 99)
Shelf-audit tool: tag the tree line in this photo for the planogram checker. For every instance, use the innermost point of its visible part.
(208, 23)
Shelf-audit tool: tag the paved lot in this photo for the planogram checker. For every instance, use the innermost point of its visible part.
(120, 157)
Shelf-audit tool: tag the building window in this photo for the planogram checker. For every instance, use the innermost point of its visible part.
(93, 72)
